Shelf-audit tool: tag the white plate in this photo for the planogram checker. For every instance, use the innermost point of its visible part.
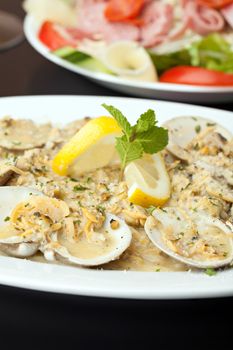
(73, 280)
(174, 92)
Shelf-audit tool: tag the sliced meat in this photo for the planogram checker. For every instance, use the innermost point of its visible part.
(12, 137)
(227, 13)
(178, 31)
(91, 20)
(158, 19)
(201, 19)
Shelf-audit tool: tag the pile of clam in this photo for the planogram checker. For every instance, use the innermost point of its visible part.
(195, 227)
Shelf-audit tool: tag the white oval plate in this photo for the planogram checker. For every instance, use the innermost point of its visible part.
(73, 280)
(174, 92)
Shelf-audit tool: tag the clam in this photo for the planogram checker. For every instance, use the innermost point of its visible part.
(195, 239)
(31, 222)
(107, 245)
(11, 242)
(182, 130)
(12, 138)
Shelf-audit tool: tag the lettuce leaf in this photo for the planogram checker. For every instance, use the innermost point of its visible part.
(166, 61)
(212, 52)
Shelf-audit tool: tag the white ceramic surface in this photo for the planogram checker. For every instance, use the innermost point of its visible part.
(73, 280)
(174, 92)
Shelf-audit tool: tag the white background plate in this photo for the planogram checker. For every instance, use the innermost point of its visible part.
(173, 92)
(73, 280)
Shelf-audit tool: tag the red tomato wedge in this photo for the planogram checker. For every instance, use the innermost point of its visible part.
(52, 38)
(196, 76)
(120, 10)
(217, 4)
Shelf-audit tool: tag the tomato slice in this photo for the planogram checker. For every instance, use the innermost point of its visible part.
(217, 4)
(196, 76)
(50, 36)
(120, 10)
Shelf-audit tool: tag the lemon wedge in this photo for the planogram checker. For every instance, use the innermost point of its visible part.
(148, 181)
(92, 147)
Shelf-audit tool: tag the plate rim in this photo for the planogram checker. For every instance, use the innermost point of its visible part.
(30, 26)
(24, 274)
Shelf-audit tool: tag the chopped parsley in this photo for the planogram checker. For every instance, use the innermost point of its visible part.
(78, 222)
(89, 179)
(197, 129)
(150, 209)
(100, 208)
(74, 180)
(79, 188)
(210, 272)
(7, 218)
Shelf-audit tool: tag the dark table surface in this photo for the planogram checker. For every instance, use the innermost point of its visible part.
(37, 319)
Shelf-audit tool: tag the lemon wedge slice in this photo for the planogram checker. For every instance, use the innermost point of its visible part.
(92, 147)
(148, 181)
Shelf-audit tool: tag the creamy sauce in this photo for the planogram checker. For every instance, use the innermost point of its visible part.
(7, 231)
(88, 250)
(142, 255)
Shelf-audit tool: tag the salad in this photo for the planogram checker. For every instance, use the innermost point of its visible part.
(170, 41)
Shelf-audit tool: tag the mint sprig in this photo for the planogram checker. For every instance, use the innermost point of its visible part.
(143, 137)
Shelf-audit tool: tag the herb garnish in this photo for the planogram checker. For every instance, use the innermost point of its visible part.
(150, 209)
(100, 209)
(210, 272)
(80, 188)
(7, 218)
(210, 124)
(197, 129)
(143, 137)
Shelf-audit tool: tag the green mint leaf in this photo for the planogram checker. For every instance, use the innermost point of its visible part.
(146, 120)
(128, 151)
(120, 118)
(144, 137)
(153, 140)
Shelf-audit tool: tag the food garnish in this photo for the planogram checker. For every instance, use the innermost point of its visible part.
(143, 137)
(90, 148)
(148, 181)
(145, 172)
(210, 272)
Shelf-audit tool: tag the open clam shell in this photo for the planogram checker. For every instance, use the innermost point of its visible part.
(170, 220)
(182, 130)
(30, 221)
(10, 242)
(118, 240)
